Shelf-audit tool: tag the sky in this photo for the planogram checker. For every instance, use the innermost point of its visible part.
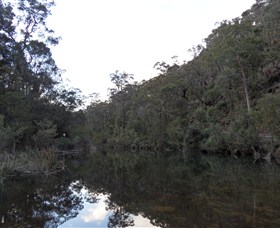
(96, 214)
(102, 36)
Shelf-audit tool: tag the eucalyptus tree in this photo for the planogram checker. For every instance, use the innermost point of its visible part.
(237, 44)
(266, 15)
(32, 69)
(27, 65)
(30, 82)
(100, 119)
(120, 95)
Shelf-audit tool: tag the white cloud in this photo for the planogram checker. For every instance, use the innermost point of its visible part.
(140, 221)
(96, 212)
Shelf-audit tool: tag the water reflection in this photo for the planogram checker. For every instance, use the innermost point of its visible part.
(32, 203)
(126, 190)
(99, 211)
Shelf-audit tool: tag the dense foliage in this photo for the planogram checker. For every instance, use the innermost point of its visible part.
(226, 99)
(35, 108)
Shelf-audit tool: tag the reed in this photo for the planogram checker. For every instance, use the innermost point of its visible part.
(30, 162)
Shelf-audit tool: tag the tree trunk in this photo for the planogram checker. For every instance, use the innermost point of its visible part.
(245, 86)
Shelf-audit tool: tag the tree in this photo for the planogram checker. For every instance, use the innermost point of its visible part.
(237, 44)
(217, 93)
(120, 80)
(30, 83)
(31, 67)
(120, 96)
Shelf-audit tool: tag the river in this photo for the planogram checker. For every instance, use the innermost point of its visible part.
(146, 190)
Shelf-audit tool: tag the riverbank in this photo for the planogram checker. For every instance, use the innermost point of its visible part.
(33, 162)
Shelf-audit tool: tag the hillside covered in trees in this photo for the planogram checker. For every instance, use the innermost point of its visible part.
(226, 99)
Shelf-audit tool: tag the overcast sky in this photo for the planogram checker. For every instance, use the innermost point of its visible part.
(101, 36)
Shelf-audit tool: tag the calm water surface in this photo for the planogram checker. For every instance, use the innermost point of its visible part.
(129, 190)
(96, 212)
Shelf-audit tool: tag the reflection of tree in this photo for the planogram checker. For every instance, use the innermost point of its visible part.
(207, 192)
(119, 218)
(129, 178)
(165, 191)
(48, 206)
(59, 207)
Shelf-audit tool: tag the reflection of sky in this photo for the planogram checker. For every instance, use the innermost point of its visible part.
(93, 215)
(96, 214)
(140, 221)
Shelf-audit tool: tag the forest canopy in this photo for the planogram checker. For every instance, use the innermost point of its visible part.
(226, 99)
(35, 107)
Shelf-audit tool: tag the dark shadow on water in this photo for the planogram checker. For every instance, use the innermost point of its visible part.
(206, 192)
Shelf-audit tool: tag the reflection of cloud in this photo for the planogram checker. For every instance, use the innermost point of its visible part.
(96, 213)
(140, 221)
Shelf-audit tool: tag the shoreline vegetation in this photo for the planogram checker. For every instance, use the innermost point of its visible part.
(39, 116)
(226, 100)
(35, 162)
